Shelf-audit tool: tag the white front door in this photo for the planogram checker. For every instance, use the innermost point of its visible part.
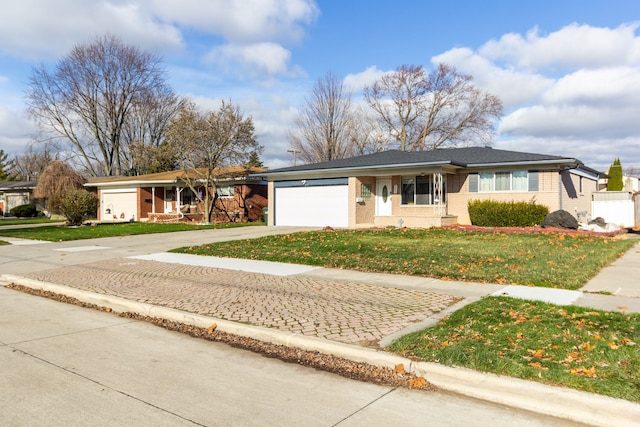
(169, 199)
(383, 197)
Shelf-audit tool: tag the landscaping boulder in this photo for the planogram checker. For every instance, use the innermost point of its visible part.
(598, 221)
(560, 219)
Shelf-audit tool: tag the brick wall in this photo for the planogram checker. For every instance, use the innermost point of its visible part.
(547, 194)
(365, 210)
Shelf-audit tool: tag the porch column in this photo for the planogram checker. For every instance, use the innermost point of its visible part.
(439, 192)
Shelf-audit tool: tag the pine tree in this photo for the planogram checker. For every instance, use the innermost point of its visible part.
(615, 183)
(5, 166)
(254, 160)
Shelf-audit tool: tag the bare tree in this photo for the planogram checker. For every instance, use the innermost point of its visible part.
(94, 93)
(323, 130)
(143, 132)
(399, 100)
(30, 165)
(428, 111)
(208, 141)
(368, 136)
(632, 171)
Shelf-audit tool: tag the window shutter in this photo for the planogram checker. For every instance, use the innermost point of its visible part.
(473, 182)
(533, 180)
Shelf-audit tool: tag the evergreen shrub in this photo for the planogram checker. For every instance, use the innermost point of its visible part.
(24, 211)
(491, 213)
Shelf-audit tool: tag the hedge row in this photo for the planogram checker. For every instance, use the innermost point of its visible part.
(490, 213)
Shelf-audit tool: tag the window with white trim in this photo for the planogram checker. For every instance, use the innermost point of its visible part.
(422, 190)
(224, 191)
(365, 191)
(488, 182)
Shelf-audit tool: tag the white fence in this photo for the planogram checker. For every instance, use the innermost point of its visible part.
(616, 207)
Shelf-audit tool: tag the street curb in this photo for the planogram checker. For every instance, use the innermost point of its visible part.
(588, 408)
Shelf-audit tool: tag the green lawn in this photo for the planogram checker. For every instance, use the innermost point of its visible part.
(586, 349)
(61, 233)
(539, 259)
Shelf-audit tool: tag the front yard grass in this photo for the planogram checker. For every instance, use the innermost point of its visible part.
(538, 259)
(61, 233)
(585, 349)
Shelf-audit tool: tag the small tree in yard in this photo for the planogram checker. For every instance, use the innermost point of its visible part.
(75, 205)
(615, 183)
(56, 179)
(205, 142)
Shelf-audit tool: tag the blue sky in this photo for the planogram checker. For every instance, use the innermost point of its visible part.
(568, 72)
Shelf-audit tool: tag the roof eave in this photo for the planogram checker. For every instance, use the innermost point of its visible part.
(559, 162)
(373, 169)
(129, 183)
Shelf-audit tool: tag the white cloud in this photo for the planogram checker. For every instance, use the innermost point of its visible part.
(36, 29)
(513, 87)
(573, 46)
(256, 59)
(572, 92)
(16, 131)
(240, 21)
(597, 153)
(357, 82)
(614, 87)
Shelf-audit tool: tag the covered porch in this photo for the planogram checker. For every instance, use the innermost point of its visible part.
(415, 199)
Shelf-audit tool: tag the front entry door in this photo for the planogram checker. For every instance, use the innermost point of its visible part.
(383, 197)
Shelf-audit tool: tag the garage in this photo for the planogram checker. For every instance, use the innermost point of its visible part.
(118, 204)
(318, 202)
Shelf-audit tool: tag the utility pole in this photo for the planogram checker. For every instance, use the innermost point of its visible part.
(295, 153)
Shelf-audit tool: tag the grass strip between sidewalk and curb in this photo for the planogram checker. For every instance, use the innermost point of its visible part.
(590, 350)
(558, 260)
(62, 233)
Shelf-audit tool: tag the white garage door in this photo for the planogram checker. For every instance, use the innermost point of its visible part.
(312, 206)
(119, 205)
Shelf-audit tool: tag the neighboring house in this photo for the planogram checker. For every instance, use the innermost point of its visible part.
(16, 193)
(166, 197)
(423, 189)
(631, 183)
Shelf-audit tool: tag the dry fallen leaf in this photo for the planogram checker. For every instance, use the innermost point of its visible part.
(417, 382)
(586, 346)
(536, 353)
(212, 328)
(537, 365)
(585, 372)
(399, 369)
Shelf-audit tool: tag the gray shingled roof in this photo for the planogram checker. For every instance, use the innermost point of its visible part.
(17, 185)
(463, 157)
